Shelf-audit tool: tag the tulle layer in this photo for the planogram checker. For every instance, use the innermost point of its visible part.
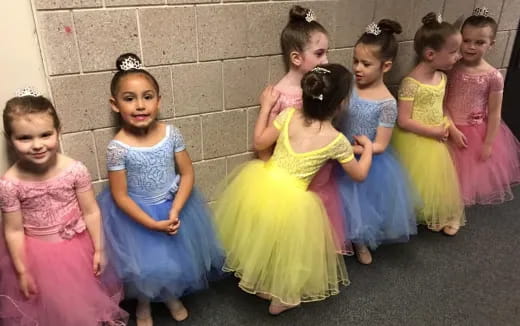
(489, 181)
(158, 266)
(277, 236)
(433, 175)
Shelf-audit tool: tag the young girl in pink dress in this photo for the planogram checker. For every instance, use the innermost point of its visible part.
(305, 44)
(485, 152)
(51, 274)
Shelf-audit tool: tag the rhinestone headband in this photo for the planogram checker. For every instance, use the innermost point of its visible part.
(130, 63)
(27, 91)
(321, 70)
(484, 12)
(310, 16)
(373, 29)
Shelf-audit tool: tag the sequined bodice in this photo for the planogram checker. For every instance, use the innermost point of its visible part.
(364, 116)
(305, 165)
(467, 95)
(286, 100)
(51, 206)
(427, 99)
(150, 171)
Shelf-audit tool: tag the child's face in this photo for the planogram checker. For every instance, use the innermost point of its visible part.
(34, 138)
(449, 54)
(476, 41)
(367, 67)
(136, 101)
(315, 52)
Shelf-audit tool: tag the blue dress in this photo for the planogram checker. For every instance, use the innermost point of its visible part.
(154, 265)
(381, 208)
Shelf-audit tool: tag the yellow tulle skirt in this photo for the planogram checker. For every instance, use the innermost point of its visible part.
(277, 236)
(433, 174)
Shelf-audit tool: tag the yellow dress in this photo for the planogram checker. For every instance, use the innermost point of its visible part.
(276, 234)
(427, 160)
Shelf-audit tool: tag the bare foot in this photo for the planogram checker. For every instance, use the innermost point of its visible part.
(363, 254)
(276, 307)
(144, 320)
(143, 314)
(450, 230)
(177, 310)
(264, 296)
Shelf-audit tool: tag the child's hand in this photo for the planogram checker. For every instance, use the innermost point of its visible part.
(176, 222)
(358, 149)
(441, 133)
(163, 226)
(486, 152)
(269, 97)
(363, 140)
(27, 285)
(458, 138)
(99, 262)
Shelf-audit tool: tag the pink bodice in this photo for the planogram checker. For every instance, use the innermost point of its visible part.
(286, 100)
(467, 95)
(48, 207)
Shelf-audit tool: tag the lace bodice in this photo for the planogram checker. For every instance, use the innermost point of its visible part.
(427, 99)
(51, 206)
(364, 116)
(305, 165)
(286, 100)
(467, 95)
(150, 171)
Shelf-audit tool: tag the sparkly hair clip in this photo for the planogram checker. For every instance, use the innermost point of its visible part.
(321, 70)
(319, 97)
(439, 18)
(484, 12)
(373, 29)
(130, 63)
(309, 16)
(27, 91)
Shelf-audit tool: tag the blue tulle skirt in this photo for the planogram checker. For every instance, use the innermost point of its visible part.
(381, 208)
(157, 266)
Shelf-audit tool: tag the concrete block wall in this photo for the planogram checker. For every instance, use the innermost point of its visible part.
(212, 58)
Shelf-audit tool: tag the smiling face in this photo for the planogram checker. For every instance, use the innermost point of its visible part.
(34, 138)
(314, 53)
(476, 41)
(136, 101)
(367, 67)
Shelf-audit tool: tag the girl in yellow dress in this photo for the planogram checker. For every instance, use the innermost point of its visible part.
(421, 138)
(275, 232)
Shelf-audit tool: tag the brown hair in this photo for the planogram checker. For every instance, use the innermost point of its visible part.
(385, 40)
(432, 34)
(23, 105)
(482, 21)
(114, 84)
(297, 32)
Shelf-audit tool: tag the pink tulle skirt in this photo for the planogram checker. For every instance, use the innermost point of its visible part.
(487, 182)
(68, 291)
(324, 185)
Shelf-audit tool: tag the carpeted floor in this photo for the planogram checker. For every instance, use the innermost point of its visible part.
(470, 279)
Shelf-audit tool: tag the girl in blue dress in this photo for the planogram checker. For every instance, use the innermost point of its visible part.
(158, 229)
(379, 209)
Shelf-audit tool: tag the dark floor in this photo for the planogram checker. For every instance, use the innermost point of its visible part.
(470, 279)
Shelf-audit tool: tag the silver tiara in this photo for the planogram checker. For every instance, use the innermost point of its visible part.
(439, 18)
(321, 70)
(27, 91)
(481, 12)
(310, 16)
(319, 97)
(373, 29)
(130, 63)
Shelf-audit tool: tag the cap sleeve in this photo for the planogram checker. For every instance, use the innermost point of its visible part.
(82, 180)
(496, 83)
(281, 119)
(116, 154)
(9, 201)
(343, 151)
(178, 140)
(388, 114)
(407, 89)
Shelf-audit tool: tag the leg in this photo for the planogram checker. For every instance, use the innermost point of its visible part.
(177, 309)
(363, 254)
(276, 307)
(143, 313)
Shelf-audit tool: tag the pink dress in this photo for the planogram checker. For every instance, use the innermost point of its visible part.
(323, 184)
(482, 182)
(58, 256)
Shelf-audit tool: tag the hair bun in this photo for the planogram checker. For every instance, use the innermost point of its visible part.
(390, 26)
(123, 59)
(314, 85)
(430, 18)
(297, 14)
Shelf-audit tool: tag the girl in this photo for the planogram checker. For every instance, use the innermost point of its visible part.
(276, 233)
(52, 272)
(379, 209)
(420, 140)
(305, 44)
(485, 152)
(157, 226)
